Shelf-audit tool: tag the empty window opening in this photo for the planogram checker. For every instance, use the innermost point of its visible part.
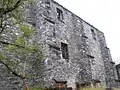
(47, 2)
(54, 34)
(93, 34)
(64, 48)
(59, 14)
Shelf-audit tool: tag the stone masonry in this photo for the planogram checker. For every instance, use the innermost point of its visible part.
(118, 71)
(118, 75)
(74, 50)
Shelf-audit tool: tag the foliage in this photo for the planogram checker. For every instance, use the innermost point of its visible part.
(18, 50)
(23, 50)
(27, 30)
(2, 56)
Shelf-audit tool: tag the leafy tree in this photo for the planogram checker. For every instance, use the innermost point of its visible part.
(19, 47)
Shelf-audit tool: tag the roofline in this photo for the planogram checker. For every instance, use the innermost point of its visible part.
(76, 15)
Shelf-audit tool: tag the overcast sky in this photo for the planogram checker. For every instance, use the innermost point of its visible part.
(104, 15)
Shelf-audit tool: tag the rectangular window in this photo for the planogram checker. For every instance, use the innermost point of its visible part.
(59, 14)
(47, 2)
(93, 34)
(48, 5)
(54, 34)
(64, 48)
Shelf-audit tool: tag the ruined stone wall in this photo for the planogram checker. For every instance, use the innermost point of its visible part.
(84, 50)
(118, 70)
(85, 56)
(88, 58)
(97, 64)
(7, 80)
(51, 32)
(109, 67)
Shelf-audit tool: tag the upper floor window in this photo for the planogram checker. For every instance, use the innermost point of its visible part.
(54, 34)
(64, 48)
(93, 34)
(47, 2)
(59, 14)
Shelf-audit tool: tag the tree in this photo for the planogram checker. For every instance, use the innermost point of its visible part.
(19, 47)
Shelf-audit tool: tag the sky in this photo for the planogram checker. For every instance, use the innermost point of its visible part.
(104, 15)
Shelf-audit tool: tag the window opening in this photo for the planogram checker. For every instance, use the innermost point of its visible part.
(64, 48)
(59, 14)
(93, 34)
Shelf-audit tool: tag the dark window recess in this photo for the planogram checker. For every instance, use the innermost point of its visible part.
(84, 36)
(93, 34)
(32, 23)
(54, 34)
(64, 48)
(48, 7)
(55, 47)
(90, 56)
(47, 2)
(59, 14)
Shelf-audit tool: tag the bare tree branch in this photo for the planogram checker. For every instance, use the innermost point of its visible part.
(3, 28)
(12, 8)
(1, 31)
(11, 70)
(7, 43)
(20, 46)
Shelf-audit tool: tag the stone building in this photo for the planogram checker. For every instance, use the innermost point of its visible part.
(75, 51)
(118, 70)
(118, 75)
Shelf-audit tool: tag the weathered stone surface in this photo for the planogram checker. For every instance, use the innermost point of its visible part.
(88, 56)
(118, 71)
